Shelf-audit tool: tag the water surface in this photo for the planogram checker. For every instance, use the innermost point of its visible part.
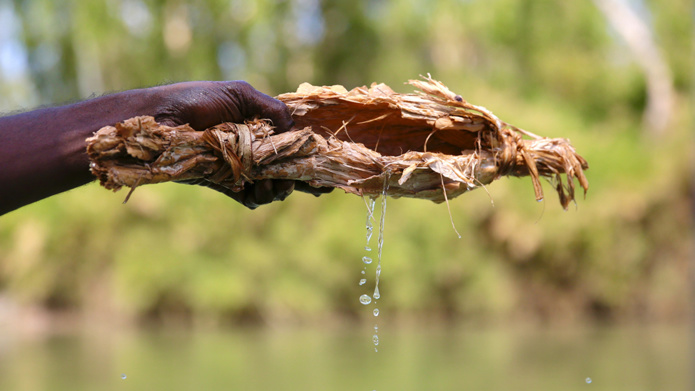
(615, 358)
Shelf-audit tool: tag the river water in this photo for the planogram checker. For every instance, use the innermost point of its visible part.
(419, 358)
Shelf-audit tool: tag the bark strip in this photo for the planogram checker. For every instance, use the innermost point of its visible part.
(423, 143)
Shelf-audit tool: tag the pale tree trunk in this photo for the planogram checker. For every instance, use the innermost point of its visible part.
(640, 41)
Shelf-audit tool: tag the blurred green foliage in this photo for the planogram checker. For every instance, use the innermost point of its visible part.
(178, 252)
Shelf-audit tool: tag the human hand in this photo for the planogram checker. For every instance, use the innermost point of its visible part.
(203, 104)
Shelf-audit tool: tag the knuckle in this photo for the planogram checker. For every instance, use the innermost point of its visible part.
(241, 86)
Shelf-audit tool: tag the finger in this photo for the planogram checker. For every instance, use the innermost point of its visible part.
(282, 189)
(255, 104)
(243, 197)
(307, 188)
(263, 192)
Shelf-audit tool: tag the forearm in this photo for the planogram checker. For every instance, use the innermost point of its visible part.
(42, 152)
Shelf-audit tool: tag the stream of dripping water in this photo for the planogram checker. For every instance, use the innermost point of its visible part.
(365, 299)
(380, 246)
(366, 260)
(380, 242)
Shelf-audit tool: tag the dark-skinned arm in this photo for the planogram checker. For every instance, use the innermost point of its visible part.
(42, 152)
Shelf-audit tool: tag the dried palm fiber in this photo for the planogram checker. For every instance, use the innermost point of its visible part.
(431, 144)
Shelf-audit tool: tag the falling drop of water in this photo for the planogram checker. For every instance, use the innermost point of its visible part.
(363, 281)
(376, 294)
(375, 338)
(123, 376)
(367, 260)
(365, 299)
(364, 271)
(376, 312)
(588, 380)
(376, 328)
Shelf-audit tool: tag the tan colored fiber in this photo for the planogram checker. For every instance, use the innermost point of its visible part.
(424, 143)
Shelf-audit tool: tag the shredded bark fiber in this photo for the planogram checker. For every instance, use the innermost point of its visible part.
(423, 144)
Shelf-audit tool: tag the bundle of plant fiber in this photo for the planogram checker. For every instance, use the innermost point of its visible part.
(431, 144)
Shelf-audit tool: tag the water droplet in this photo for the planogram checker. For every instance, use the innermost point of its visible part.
(367, 248)
(376, 328)
(365, 299)
(364, 272)
(367, 260)
(588, 380)
(363, 281)
(376, 295)
(376, 312)
(375, 338)
(123, 376)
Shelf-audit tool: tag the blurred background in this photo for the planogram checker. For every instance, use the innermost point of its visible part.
(182, 288)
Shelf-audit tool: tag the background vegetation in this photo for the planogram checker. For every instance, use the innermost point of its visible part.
(185, 254)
